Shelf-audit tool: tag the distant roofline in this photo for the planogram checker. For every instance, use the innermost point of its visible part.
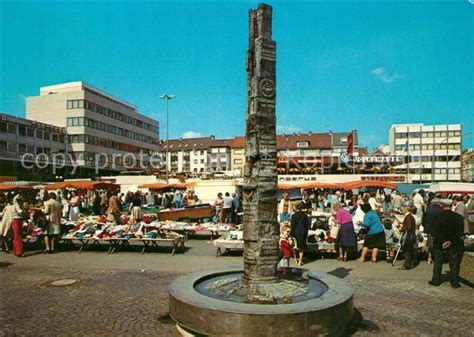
(90, 87)
(422, 124)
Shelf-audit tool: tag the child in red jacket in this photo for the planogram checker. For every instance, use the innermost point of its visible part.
(285, 248)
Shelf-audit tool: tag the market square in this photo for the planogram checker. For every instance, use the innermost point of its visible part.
(247, 222)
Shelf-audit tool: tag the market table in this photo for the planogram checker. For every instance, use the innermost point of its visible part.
(150, 242)
(83, 242)
(228, 245)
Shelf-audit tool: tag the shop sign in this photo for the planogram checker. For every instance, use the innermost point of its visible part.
(378, 159)
(384, 178)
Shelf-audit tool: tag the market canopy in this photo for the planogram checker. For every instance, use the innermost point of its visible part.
(80, 185)
(283, 186)
(163, 186)
(368, 183)
(320, 185)
(11, 187)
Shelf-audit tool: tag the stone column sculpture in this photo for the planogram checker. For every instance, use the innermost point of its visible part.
(261, 230)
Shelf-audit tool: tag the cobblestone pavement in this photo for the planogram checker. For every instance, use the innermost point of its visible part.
(102, 303)
(121, 299)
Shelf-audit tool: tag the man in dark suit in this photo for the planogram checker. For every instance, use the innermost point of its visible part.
(447, 240)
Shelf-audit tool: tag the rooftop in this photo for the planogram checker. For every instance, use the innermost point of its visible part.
(80, 85)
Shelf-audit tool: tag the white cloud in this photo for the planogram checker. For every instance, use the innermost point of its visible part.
(191, 134)
(287, 128)
(382, 75)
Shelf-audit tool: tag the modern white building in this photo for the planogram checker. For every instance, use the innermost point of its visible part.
(103, 130)
(430, 152)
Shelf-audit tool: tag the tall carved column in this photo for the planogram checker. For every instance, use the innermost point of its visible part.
(261, 230)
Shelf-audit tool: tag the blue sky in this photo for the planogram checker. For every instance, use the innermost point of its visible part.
(340, 66)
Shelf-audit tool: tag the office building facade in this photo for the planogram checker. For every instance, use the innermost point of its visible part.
(430, 152)
(103, 130)
(31, 150)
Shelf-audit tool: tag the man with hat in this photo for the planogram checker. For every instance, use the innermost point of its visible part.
(447, 240)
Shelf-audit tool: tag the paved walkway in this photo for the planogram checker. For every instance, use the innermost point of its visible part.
(126, 294)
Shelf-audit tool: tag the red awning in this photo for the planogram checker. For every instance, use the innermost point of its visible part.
(162, 186)
(10, 187)
(80, 185)
(368, 183)
(319, 184)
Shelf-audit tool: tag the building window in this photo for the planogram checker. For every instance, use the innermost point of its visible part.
(195, 161)
(30, 132)
(302, 144)
(237, 161)
(39, 134)
(238, 151)
(46, 135)
(12, 128)
(75, 104)
(3, 146)
(22, 148)
(3, 127)
(11, 147)
(22, 130)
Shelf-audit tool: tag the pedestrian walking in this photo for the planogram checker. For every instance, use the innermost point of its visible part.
(447, 241)
(52, 210)
(17, 225)
(375, 237)
(300, 225)
(409, 241)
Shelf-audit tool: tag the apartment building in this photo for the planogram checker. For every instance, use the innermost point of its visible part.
(31, 150)
(220, 155)
(237, 155)
(302, 152)
(187, 155)
(430, 152)
(468, 166)
(103, 130)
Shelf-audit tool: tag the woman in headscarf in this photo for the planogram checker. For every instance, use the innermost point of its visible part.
(346, 235)
(375, 238)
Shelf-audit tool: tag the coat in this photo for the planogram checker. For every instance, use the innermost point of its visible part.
(53, 212)
(7, 218)
(114, 206)
(461, 209)
(470, 218)
(449, 226)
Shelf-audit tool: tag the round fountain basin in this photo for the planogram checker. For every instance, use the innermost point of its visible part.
(214, 303)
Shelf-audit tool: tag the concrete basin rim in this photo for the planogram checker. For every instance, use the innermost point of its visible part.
(182, 288)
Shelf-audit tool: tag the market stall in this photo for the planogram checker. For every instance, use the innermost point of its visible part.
(82, 185)
(96, 230)
(368, 183)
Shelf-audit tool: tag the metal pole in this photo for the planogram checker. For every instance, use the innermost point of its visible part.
(167, 98)
(167, 138)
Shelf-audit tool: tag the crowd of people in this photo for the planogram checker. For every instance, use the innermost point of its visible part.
(384, 220)
(48, 210)
(227, 208)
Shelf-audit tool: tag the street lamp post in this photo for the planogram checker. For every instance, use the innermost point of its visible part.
(167, 98)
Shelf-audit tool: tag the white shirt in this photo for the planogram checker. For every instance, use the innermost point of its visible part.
(418, 201)
(227, 202)
(373, 203)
